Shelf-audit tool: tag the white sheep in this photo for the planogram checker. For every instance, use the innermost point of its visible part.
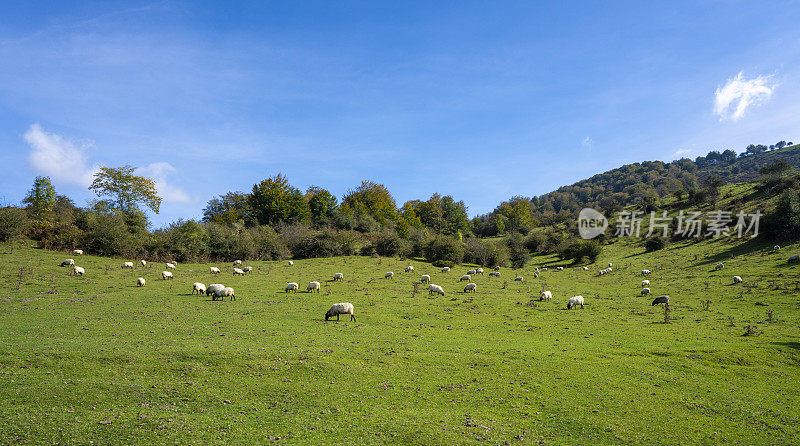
(221, 294)
(536, 270)
(446, 269)
(238, 271)
(610, 265)
(170, 265)
(472, 272)
(494, 274)
(214, 270)
(291, 286)
(603, 272)
(719, 266)
(559, 268)
(140, 281)
(645, 272)
(519, 279)
(794, 259)
(645, 283)
(78, 270)
(586, 268)
(470, 287)
(77, 252)
(199, 287)
(127, 265)
(247, 269)
(776, 248)
(166, 275)
(535, 274)
(237, 262)
(435, 289)
(645, 291)
(574, 302)
(338, 277)
(425, 279)
(68, 262)
(497, 268)
(290, 263)
(339, 309)
(479, 271)
(544, 268)
(409, 269)
(737, 279)
(546, 295)
(143, 262)
(313, 286)
(465, 278)
(609, 270)
(214, 287)
(389, 275)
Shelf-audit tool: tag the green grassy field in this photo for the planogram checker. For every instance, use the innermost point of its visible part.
(106, 362)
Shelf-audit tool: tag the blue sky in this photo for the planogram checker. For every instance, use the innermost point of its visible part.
(482, 101)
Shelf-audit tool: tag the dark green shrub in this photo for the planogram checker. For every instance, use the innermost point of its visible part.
(517, 253)
(578, 250)
(655, 243)
(13, 223)
(445, 248)
(443, 263)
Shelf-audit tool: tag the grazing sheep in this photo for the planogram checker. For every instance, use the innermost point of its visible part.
(68, 262)
(435, 289)
(574, 302)
(470, 287)
(389, 275)
(536, 270)
(338, 277)
(609, 270)
(238, 271)
(140, 281)
(546, 295)
(776, 248)
(77, 252)
(586, 268)
(409, 269)
(313, 286)
(166, 275)
(645, 272)
(794, 259)
(290, 263)
(544, 268)
(446, 269)
(339, 309)
(472, 272)
(425, 279)
(719, 266)
(603, 272)
(78, 270)
(143, 262)
(127, 265)
(645, 283)
(519, 279)
(497, 268)
(170, 265)
(465, 278)
(247, 269)
(660, 300)
(214, 270)
(221, 294)
(610, 265)
(645, 291)
(494, 274)
(214, 287)
(199, 287)
(479, 271)
(559, 268)
(737, 279)
(535, 274)
(291, 286)
(237, 262)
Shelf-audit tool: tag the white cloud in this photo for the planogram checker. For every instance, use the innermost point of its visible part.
(681, 153)
(733, 99)
(587, 142)
(58, 158)
(169, 192)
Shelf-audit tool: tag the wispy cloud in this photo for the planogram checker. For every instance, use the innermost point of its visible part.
(587, 142)
(733, 98)
(169, 192)
(59, 158)
(681, 153)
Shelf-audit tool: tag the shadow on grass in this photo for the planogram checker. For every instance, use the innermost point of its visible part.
(748, 247)
(791, 344)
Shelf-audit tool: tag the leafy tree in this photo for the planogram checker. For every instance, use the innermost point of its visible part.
(777, 168)
(655, 243)
(444, 215)
(41, 199)
(322, 205)
(227, 209)
(13, 223)
(374, 200)
(126, 189)
(784, 221)
(780, 144)
(408, 219)
(274, 201)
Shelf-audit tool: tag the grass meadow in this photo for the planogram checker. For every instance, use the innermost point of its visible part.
(96, 360)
